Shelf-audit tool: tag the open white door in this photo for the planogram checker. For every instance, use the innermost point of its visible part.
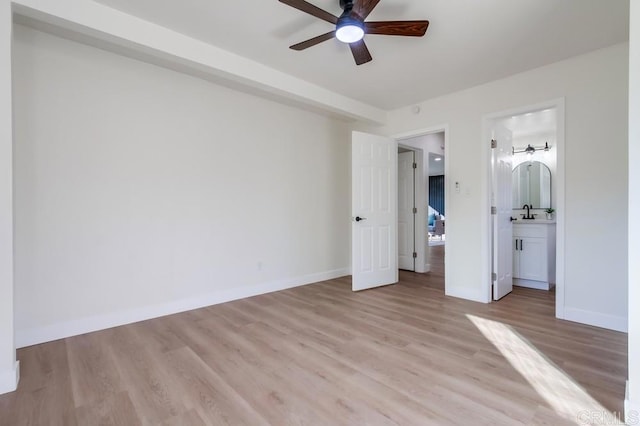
(406, 211)
(374, 180)
(503, 232)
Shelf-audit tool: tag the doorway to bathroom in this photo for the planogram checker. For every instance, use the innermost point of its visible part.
(526, 176)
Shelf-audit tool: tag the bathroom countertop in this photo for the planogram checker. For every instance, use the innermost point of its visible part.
(534, 222)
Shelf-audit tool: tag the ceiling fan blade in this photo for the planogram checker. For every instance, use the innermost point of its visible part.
(397, 28)
(311, 10)
(360, 52)
(364, 7)
(313, 41)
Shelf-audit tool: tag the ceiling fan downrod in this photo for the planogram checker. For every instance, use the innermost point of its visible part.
(346, 5)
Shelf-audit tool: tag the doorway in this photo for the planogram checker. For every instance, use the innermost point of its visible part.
(536, 161)
(374, 175)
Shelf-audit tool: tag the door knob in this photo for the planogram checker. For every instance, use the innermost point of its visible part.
(358, 218)
(512, 219)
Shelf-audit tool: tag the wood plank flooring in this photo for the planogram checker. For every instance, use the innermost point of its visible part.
(321, 354)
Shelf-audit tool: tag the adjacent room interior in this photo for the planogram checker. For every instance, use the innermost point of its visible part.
(207, 220)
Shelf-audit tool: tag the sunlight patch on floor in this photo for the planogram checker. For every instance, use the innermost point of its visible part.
(567, 398)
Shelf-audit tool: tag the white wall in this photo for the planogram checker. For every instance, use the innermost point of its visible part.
(434, 142)
(595, 90)
(141, 191)
(127, 34)
(8, 368)
(633, 396)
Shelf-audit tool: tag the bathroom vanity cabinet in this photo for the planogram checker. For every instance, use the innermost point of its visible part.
(534, 256)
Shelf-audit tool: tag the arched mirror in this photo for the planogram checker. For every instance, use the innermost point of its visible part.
(531, 184)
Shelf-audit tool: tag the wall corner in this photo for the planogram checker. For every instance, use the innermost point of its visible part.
(8, 364)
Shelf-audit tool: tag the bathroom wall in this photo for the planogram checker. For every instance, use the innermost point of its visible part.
(548, 158)
(535, 129)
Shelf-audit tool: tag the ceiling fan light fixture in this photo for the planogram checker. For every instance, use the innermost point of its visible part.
(349, 30)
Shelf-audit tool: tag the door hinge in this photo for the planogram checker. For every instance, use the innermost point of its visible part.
(494, 210)
(415, 255)
(494, 143)
(494, 277)
(415, 210)
(415, 165)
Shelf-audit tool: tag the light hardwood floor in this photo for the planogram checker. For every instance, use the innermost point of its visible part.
(320, 354)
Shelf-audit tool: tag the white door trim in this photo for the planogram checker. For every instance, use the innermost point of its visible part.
(485, 273)
(421, 192)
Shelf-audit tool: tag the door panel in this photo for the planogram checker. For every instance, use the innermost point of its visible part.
(406, 217)
(374, 211)
(503, 230)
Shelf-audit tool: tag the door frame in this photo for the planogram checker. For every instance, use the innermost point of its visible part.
(422, 199)
(419, 240)
(487, 230)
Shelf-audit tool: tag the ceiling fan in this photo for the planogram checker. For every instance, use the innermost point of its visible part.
(351, 26)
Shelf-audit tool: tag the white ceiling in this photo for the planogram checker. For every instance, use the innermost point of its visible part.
(469, 42)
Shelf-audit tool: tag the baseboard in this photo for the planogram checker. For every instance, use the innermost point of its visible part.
(611, 322)
(538, 285)
(422, 268)
(467, 293)
(631, 409)
(79, 326)
(9, 379)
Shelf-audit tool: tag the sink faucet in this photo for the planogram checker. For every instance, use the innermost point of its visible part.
(528, 207)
